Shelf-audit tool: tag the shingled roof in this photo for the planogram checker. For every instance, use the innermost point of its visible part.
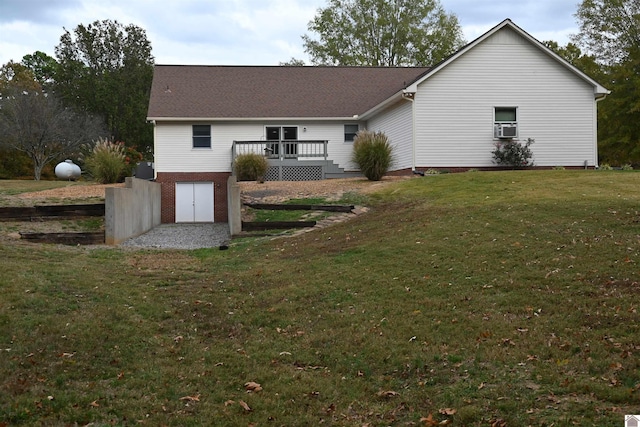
(210, 92)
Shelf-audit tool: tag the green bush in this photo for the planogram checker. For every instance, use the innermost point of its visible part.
(512, 153)
(251, 167)
(372, 153)
(107, 162)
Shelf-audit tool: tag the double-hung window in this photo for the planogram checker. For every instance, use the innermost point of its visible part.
(201, 136)
(505, 122)
(350, 132)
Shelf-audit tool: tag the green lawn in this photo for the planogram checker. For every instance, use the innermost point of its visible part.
(482, 298)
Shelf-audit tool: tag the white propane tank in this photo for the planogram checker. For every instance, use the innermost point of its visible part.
(67, 170)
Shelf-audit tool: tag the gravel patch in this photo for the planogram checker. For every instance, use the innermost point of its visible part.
(183, 236)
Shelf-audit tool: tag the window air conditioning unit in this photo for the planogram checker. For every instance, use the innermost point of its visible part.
(506, 131)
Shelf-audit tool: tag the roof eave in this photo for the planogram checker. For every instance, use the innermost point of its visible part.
(384, 104)
(251, 119)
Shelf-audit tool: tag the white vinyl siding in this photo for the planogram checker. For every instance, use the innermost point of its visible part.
(174, 151)
(395, 123)
(455, 107)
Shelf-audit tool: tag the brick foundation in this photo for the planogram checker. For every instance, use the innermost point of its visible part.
(168, 182)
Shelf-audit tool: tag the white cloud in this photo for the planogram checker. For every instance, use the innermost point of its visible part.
(240, 31)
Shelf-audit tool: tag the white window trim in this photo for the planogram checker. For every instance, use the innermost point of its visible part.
(498, 124)
(345, 133)
(193, 147)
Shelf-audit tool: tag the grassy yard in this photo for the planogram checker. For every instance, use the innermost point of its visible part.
(475, 299)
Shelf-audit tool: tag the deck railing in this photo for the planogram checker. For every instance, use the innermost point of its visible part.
(281, 150)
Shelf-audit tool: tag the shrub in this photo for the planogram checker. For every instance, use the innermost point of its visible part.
(605, 167)
(251, 167)
(512, 153)
(627, 167)
(372, 153)
(107, 162)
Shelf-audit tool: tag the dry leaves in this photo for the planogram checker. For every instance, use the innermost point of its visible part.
(499, 422)
(252, 387)
(387, 394)
(195, 398)
(429, 421)
(241, 403)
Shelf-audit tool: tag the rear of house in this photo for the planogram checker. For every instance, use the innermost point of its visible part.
(505, 84)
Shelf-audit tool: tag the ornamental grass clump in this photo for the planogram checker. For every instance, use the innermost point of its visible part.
(512, 153)
(251, 167)
(373, 154)
(107, 162)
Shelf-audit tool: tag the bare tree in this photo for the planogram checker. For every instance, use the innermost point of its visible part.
(37, 124)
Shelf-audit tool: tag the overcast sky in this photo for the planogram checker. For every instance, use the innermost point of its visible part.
(240, 32)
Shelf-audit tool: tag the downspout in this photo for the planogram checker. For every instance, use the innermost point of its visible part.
(409, 96)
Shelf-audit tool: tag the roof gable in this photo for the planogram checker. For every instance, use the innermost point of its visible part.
(599, 91)
(237, 92)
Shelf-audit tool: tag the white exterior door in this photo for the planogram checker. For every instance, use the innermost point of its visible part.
(194, 202)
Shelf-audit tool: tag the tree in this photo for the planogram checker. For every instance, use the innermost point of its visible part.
(37, 124)
(382, 33)
(15, 75)
(42, 66)
(619, 114)
(106, 68)
(293, 62)
(609, 29)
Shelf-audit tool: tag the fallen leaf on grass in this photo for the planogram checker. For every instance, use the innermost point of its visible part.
(387, 393)
(447, 411)
(95, 404)
(498, 423)
(229, 402)
(244, 405)
(195, 398)
(252, 387)
(429, 421)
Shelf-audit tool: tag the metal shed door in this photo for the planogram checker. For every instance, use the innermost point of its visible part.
(194, 202)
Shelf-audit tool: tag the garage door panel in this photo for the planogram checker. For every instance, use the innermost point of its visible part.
(194, 202)
(203, 201)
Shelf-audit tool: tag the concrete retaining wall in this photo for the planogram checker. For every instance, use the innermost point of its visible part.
(132, 210)
(234, 205)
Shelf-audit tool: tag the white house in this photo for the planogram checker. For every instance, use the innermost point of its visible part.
(505, 84)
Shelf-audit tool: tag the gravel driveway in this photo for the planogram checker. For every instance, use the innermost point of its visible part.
(183, 236)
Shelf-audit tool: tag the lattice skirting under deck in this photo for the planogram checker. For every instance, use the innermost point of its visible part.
(294, 173)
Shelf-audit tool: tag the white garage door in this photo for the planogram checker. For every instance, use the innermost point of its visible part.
(194, 202)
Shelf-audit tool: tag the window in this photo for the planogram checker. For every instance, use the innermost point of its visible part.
(201, 136)
(506, 114)
(280, 135)
(505, 122)
(350, 132)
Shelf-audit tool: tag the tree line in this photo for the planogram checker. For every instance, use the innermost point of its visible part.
(97, 87)
(99, 82)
